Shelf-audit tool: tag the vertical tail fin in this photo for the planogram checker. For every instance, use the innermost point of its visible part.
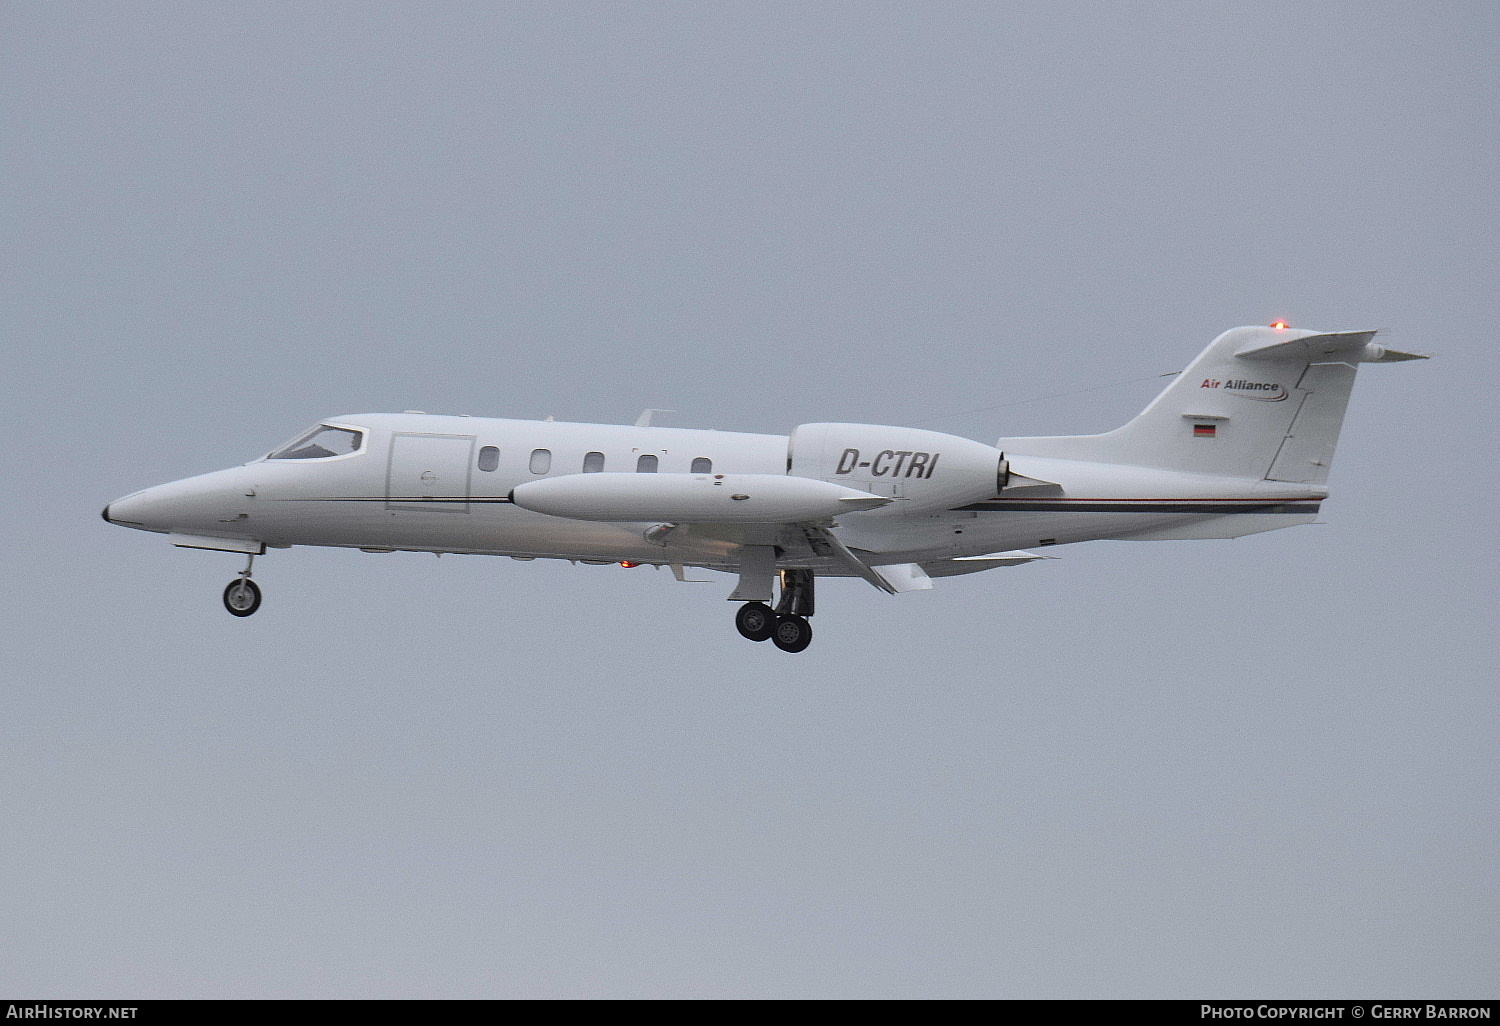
(1257, 403)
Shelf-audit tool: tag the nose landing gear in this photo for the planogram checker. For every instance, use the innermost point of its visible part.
(242, 596)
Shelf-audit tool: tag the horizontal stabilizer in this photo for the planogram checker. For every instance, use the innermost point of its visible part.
(1312, 348)
(1306, 347)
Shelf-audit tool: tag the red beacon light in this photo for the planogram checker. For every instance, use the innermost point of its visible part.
(627, 564)
(1278, 324)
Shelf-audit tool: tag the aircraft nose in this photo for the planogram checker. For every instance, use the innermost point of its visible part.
(131, 511)
(193, 504)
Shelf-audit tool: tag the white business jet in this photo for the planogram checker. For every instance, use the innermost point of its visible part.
(1239, 443)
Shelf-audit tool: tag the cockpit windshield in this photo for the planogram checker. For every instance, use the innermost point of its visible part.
(323, 440)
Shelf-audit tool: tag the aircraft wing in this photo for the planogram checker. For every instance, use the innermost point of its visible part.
(757, 518)
(899, 578)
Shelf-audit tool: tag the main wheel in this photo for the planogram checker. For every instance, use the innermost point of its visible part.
(242, 597)
(755, 621)
(793, 633)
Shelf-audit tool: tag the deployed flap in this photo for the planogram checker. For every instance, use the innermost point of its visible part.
(904, 577)
(824, 543)
(757, 571)
(974, 564)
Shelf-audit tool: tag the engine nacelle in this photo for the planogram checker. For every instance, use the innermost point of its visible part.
(691, 498)
(928, 469)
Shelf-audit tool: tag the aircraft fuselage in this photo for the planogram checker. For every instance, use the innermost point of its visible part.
(433, 483)
(1240, 442)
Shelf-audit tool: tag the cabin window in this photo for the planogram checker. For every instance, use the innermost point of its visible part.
(541, 461)
(646, 464)
(322, 441)
(593, 462)
(489, 458)
(703, 465)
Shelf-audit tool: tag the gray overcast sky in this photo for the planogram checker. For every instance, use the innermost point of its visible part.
(1264, 768)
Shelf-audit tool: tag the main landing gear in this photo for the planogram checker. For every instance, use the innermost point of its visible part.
(756, 621)
(242, 596)
(787, 624)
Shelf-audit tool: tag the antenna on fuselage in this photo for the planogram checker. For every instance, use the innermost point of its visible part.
(644, 420)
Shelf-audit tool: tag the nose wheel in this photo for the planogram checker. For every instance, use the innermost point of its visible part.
(242, 596)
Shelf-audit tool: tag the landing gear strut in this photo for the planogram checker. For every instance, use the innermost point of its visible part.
(242, 596)
(787, 625)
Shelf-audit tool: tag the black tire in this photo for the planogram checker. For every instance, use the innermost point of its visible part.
(755, 621)
(793, 633)
(242, 597)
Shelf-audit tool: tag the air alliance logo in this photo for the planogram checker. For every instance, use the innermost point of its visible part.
(1259, 391)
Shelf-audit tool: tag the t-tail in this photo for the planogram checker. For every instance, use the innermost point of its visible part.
(1259, 402)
